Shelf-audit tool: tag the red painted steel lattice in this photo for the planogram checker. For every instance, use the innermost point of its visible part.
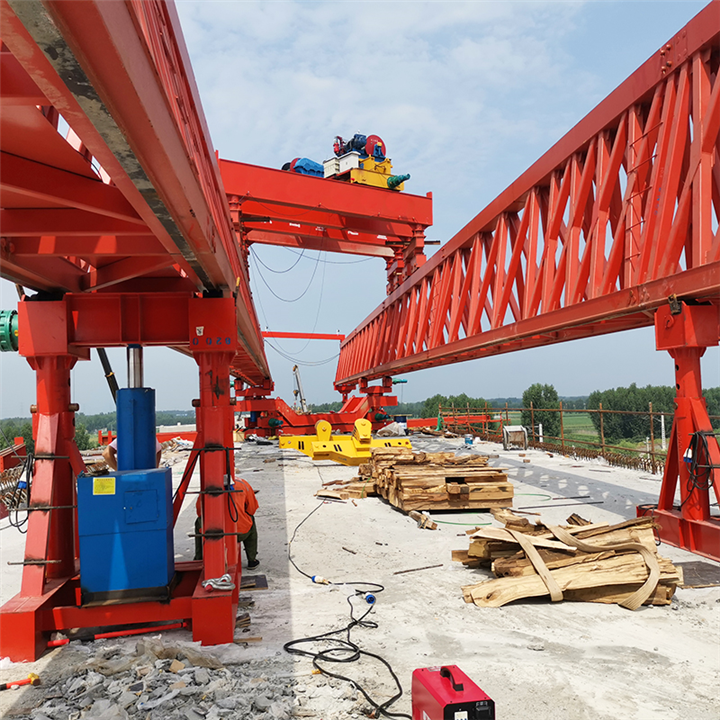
(618, 215)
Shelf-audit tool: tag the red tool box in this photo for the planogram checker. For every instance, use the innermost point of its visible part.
(447, 693)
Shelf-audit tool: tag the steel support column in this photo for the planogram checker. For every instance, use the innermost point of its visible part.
(51, 548)
(214, 416)
(54, 530)
(212, 329)
(685, 332)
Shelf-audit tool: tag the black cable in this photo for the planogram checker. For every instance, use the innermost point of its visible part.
(344, 650)
(317, 312)
(335, 262)
(308, 363)
(700, 474)
(17, 496)
(277, 272)
(233, 511)
(302, 294)
(292, 562)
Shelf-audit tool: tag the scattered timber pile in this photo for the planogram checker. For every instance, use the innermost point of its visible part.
(96, 466)
(580, 561)
(436, 481)
(354, 489)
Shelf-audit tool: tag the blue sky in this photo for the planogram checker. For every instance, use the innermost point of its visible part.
(466, 97)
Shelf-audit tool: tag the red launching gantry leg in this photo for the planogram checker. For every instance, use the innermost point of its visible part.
(50, 549)
(693, 455)
(213, 342)
(53, 335)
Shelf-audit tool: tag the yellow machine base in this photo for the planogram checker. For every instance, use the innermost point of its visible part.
(352, 449)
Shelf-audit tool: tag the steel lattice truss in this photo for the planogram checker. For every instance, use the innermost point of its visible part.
(618, 215)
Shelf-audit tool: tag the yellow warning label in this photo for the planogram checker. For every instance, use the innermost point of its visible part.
(104, 486)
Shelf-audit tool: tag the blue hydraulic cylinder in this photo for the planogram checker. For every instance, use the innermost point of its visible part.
(125, 528)
(136, 448)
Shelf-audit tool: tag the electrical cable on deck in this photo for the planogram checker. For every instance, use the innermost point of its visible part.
(344, 650)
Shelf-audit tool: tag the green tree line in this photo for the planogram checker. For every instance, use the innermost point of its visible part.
(543, 397)
(86, 427)
(633, 398)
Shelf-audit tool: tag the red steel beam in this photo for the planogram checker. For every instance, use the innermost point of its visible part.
(292, 190)
(251, 211)
(180, 320)
(320, 242)
(27, 28)
(119, 74)
(303, 336)
(43, 184)
(613, 219)
(15, 84)
(66, 221)
(277, 207)
(86, 247)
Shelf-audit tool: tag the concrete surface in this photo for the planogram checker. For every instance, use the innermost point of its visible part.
(574, 661)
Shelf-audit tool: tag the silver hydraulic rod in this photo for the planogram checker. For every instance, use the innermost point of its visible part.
(135, 366)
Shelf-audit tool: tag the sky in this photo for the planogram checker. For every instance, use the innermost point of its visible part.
(466, 96)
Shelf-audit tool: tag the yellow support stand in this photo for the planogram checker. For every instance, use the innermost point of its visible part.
(344, 449)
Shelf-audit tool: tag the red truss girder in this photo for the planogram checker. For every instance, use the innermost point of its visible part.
(303, 336)
(613, 219)
(130, 197)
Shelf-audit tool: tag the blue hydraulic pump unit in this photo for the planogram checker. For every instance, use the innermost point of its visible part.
(125, 517)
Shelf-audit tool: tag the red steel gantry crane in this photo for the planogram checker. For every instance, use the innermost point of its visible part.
(122, 226)
(113, 209)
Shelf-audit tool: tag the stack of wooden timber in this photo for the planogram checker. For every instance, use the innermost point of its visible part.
(436, 481)
(580, 561)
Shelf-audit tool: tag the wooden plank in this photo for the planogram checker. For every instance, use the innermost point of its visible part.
(500, 534)
(629, 569)
(662, 595)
